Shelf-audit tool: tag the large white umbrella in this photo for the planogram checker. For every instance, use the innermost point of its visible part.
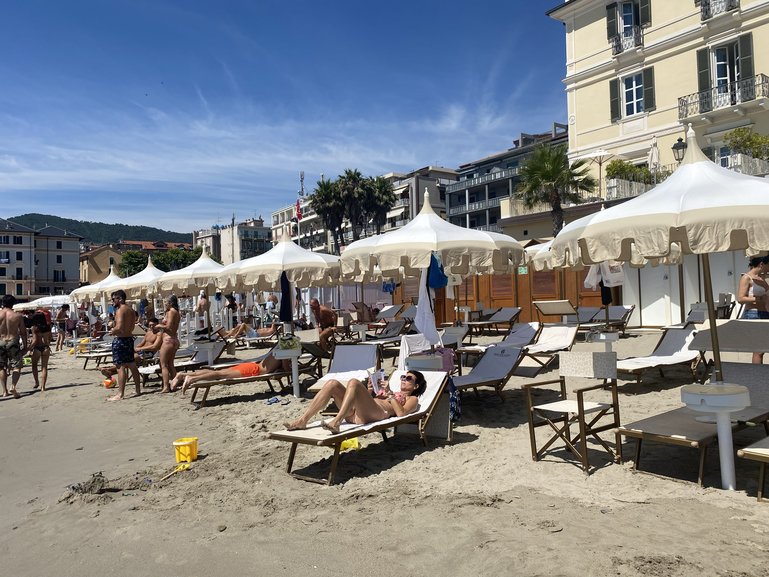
(200, 274)
(461, 250)
(303, 267)
(703, 207)
(142, 282)
(44, 303)
(93, 291)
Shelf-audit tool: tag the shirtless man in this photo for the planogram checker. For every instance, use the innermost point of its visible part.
(325, 320)
(144, 351)
(13, 344)
(123, 344)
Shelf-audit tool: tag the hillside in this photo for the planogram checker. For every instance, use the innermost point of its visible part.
(100, 232)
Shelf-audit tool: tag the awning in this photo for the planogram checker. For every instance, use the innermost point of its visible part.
(396, 211)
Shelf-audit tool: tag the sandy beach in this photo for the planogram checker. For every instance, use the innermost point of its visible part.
(478, 506)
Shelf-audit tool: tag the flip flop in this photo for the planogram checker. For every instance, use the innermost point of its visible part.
(272, 401)
(285, 401)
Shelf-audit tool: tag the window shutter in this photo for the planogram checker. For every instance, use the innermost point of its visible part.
(710, 152)
(746, 56)
(611, 20)
(645, 11)
(703, 80)
(614, 103)
(648, 80)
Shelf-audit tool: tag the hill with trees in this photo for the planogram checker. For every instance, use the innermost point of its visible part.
(100, 232)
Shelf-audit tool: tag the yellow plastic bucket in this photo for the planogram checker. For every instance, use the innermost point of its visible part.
(186, 449)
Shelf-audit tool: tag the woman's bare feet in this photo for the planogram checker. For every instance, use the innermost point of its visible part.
(186, 385)
(329, 426)
(175, 381)
(117, 397)
(15, 394)
(297, 425)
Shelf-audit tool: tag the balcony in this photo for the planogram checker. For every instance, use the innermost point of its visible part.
(752, 89)
(631, 38)
(474, 206)
(491, 177)
(747, 165)
(617, 188)
(401, 202)
(712, 8)
(489, 228)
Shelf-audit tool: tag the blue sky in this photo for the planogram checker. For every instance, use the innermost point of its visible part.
(177, 113)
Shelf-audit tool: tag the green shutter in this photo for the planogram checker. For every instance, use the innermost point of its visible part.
(746, 56)
(648, 80)
(614, 103)
(611, 21)
(703, 79)
(645, 11)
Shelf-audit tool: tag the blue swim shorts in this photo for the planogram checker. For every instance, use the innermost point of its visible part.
(122, 351)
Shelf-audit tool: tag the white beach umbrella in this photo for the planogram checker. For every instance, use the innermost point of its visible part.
(93, 291)
(142, 282)
(303, 267)
(199, 275)
(44, 303)
(461, 250)
(702, 207)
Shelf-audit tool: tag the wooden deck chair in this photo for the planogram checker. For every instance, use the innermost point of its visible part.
(349, 362)
(313, 357)
(318, 436)
(506, 316)
(672, 349)
(493, 369)
(560, 308)
(551, 340)
(758, 452)
(590, 417)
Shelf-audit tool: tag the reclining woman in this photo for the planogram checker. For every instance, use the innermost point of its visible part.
(358, 405)
(241, 370)
(246, 329)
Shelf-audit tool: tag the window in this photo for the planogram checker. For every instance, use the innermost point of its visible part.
(19, 255)
(725, 74)
(111, 260)
(624, 23)
(58, 259)
(19, 289)
(724, 156)
(632, 94)
(5, 239)
(5, 257)
(17, 240)
(19, 273)
(2, 288)
(58, 244)
(3, 271)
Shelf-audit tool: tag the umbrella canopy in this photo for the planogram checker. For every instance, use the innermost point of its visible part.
(303, 267)
(44, 303)
(461, 250)
(93, 291)
(703, 207)
(142, 282)
(199, 275)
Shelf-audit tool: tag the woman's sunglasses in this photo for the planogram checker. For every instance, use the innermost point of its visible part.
(407, 378)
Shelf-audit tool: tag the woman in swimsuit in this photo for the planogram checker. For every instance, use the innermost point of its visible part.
(40, 352)
(61, 325)
(357, 405)
(752, 294)
(241, 370)
(169, 328)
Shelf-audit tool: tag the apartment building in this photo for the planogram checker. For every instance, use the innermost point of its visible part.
(236, 241)
(17, 259)
(95, 263)
(57, 261)
(639, 71)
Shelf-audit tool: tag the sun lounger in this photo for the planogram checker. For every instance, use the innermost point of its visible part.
(493, 369)
(185, 360)
(318, 436)
(551, 340)
(758, 452)
(672, 349)
(388, 312)
(409, 313)
(349, 362)
(559, 308)
(521, 335)
(618, 317)
(506, 316)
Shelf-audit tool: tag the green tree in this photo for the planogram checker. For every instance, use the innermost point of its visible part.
(745, 141)
(379, 199)
(132, 262)
(176, 258)
(327, 203)
(352, 187)
(547, 177)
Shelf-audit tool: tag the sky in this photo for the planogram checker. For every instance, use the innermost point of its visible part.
(180, 113)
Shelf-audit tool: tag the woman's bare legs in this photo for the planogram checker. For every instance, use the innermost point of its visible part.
(333, 389)
(359, 402)
(35, 360)
(206, 374)
(167, 371)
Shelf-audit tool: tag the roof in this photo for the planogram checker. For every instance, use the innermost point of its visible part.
(564, 4)
(529, 141)
(56, 231)
(155, 244)
(9, 225)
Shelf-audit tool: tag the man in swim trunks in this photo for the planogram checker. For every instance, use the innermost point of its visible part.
(123, 344)
(325, 321)
(241, 370)
(13, 344)
(144, 351)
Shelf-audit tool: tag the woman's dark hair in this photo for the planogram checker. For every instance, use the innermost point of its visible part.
(65, 307)
(419, 382)
(757, 260)
(173, 302)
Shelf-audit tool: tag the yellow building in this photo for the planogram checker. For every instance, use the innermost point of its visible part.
(642, 69)
(95, 264)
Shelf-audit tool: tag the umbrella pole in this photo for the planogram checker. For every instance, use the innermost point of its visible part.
(712, 317)
(681, 290)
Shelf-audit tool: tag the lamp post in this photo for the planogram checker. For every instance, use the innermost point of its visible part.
(679, 149)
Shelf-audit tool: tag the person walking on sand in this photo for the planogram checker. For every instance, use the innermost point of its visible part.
(13, 344)
(61, 326)
(41, 350)
(123, 344)
(169, 329)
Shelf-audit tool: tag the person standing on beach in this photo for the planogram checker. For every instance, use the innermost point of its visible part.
(325, 322)
(41, 350)
(752, 295)
(13, 344)
(123, 344)
(169, 329)
(61, 326)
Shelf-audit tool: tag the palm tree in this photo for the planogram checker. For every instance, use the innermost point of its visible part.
(327, 203)
(547, 177)
(379, 200)
(352, 190)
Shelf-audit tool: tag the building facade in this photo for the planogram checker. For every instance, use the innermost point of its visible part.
(236, 241)
(17, 259)
(95, 263)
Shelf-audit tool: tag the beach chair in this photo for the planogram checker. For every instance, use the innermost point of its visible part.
(365, 314)
(506, 316)
(495, 367)
(313, 355)
(392, 330)
(187, 359)
(388, 313)
(520, 335)
(453, 336)
(672, 349)
(758, 452)
(349, 362)
(618, 317)
(256, 339)
(551, 340)
(409, 313)
(590, 417)
(585, 315)
(318, 436)
(561, 308)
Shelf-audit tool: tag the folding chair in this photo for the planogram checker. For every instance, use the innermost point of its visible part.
(561, 414)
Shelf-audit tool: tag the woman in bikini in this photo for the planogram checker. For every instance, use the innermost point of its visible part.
(41, 351)
(358, 405)
(241, 370)
(752, 294)
(61, 326)
(169, 329)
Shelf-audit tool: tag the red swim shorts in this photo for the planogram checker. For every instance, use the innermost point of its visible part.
(249, 369)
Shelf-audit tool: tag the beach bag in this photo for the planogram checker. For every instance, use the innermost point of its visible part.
(288, 342)
(455, 408)
(436, 278)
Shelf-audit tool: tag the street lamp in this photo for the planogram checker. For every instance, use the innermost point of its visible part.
(679, 149)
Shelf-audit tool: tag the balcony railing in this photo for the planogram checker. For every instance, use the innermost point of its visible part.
(627, 40)
(473, 206)
(490, 177)
(711, 8)
(489, 227)
(723, 96)
(401, 202)
(747, 165)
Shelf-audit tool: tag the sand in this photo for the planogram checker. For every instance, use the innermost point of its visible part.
(478, 506)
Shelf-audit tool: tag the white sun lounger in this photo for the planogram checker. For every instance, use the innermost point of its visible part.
(349, 362)
(672, 349)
